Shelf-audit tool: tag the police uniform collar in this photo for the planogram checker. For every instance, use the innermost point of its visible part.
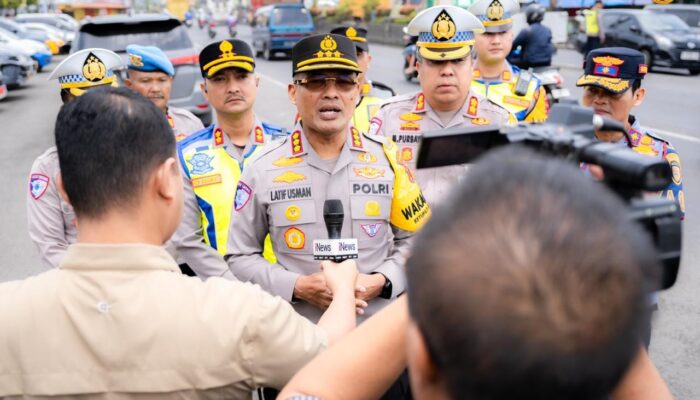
(257, 136)
(355, 140)
(421, 104)
(471, 105)
(506, 75)
(169, 116)
(635, 132)
(297, 140)
(103, 256)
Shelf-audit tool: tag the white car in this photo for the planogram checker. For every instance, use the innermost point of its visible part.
(52, 32)
(26, 46)
(31, 48)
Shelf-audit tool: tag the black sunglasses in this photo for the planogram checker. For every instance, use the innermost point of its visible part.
(315, 83)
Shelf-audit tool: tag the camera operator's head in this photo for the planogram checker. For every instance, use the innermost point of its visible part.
(530, 285)
(116, 152)
(612, 85)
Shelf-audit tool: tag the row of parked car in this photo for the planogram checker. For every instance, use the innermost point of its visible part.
(24, 50)
(27, 44)
(668, 35)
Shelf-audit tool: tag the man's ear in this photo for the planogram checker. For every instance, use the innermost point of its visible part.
(128, 83)
(639, 96)
(167, 175)
(292, 93)
(257, 80)
(61, 189)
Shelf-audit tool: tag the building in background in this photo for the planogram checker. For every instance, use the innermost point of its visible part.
(80, 9)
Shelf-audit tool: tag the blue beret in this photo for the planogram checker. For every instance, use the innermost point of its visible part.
(149, 59)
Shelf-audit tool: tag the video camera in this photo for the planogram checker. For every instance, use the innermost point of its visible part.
(569, 133)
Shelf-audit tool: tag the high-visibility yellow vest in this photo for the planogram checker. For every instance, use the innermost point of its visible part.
(592, 27)
(214, 175)
(367, 107)
(531, 107)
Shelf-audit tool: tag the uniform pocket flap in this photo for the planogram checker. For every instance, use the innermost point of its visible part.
(370, 207)
(293, 213)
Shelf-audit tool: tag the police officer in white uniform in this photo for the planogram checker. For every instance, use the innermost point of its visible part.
(51, 221)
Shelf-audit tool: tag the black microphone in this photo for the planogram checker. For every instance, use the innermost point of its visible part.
(333, 216)
(334, 248)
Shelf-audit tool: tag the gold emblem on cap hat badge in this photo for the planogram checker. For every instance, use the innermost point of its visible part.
(93, 68)
(443, 27)
(495, 11)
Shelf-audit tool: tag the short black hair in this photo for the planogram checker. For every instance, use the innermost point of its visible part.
(531, 282)
(108, 141)
(636, 84)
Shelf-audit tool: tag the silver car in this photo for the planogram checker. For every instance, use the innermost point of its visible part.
(58, 21)
(115, 32)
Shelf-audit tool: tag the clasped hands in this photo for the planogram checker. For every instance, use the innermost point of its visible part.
(318, 288)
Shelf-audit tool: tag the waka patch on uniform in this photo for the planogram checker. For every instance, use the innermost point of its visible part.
(38, 183)
(243, 194)
(371, 229)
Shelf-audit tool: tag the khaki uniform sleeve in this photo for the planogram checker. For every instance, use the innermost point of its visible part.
(45, 214)
(394, 267)
(186, 122)
(280, 341)
(246, 239)
(189, 242)
(193, 125)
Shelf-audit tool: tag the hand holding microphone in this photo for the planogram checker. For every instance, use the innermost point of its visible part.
(337, 253)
